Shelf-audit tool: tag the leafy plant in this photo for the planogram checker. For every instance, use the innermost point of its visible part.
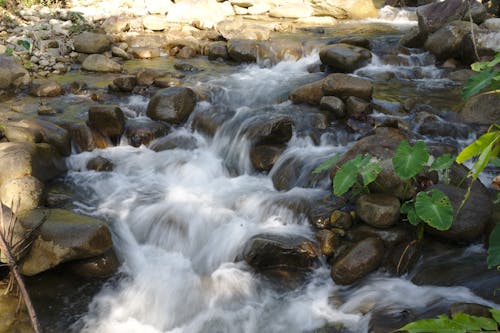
(24, 43)
(488, 78)
(459, 323)
(9, 51)
(347, 175)
(409, 160)
(493, 258)
(327, 165)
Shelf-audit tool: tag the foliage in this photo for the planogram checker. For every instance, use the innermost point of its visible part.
(493, 259)
(9, 51)
(327, 165)
(347, 175)
(79, 23)
(434, 209)
(459, 323)
(409, 160)
(3, 3)
(442, 162)
(487, 78)
(24, 43)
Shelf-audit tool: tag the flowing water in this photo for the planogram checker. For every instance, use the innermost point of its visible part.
(181, 217)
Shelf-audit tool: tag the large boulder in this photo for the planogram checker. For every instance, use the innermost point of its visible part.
(344, 57)
(378, 210)
(89, 42)
(343, 86)
(470, 221)
(205, 13)
(481, 109)
(363, 258)
(447, 41)
(208, 121)
(241, 50)
(310, 93)
(433, 16)
(485, 42)
(344, 9)
(22, 194)
(142, 132)
(64, 236)
(280, 255)
(236, 28)
(11, 72)
(334, 106)
(100, 63)
(50, 133)
(47, 89)
(173, 105)
(108, 120)
(21, 159)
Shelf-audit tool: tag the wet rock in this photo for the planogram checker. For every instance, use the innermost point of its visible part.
(477, 12)
(388, 182)
(263, 157)
(15, 133)
(81, 137)
(78, 88)
(45, 110)
(391, 237)
(50, 133)
(173, 105)
(358, 108)
(108, 120)
(357, 41)
(100, 163)
(340, 219)
(173, 142)
(187, 52)
(166, 82)
(217, 50)
(334, 106)
(433, 16)
(484, 42)
(185, 67)
(469, 223)
(389, 319)
(89, 42)
(277, 130)
(143, 132)
(144, 52)
(100, 267)
(344, 57)
(363, 258)
(447, 41)
(310, 93)
(403, 257)
(22, 194)
(64, 236)
(280, 255)
(291, 10)
(472, 309)
(11, 72)
(47, 89)
(243, 50)
(146, 77)
(413, 38)
(343, 86)
(378, 210)
(209, 120)
(117, 52)
(125, 83)
(154, 23)
(430, 124)
(329, 241)
(99, 63)
(482, 109)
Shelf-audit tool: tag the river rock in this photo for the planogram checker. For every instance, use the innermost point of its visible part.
(207, 13)
(291, 10)
(173, 105)
(125, 83)
(343, 86)
(413, 38)
(485, 42)
(344, 57)
(433, 16)
(50, 133)
(89, 42)
(144, 52)
(470, 221)
(81, 137)
(264, 156)
(142, 132)
(329, 241)
(447, 41)
(217, 50)
(344, 9)
(115, 24)
(237, 28)
(108, 120)
(310, 93)
(22, 194)
(11, 72)
(15, 133)
(99, 164)
(173, 141)
(243, 50)
(146, 76)
(477, 12)
(492, 24)
(64, 236)
(101, 267)
(334, 106)
(154, 23)
(277, 130)
(472, 309)
(328, 8)
(391, 237)
(99, 63)
(280, 255)
(47, 89)
(207, 121)
(378, 210)
(120, 53)
(481, 109)
(358, 108)
(363, 258)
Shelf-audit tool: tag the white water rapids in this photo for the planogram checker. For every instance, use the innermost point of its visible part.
(180, 218)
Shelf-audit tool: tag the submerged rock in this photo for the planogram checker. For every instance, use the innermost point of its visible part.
(64, 236)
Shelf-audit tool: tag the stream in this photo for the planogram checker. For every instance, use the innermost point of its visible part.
(181, 217)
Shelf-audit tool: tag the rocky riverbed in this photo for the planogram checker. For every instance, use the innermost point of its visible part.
(169, 148)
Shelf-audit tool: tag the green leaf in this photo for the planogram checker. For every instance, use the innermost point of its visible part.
(9, 51)
(477, 147)
(369, 172)
(24, 43)
(408, 208)
(495, 313)
(474, 323)
(442, 162)
(434, 209)
(346, 176)
(488, 152)
(493, 258)
(328, 164)
(478, 82)
(481, 65)
(441, 324)
(409, 160)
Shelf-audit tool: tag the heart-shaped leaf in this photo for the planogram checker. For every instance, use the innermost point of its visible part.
(409, 160)
(434, 209)
(328, 164)
(442, 162)
(346, 176)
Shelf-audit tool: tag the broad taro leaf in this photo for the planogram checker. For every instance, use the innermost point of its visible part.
(328, 164)
(478, 82)
(369, 172)
(408, 208)
(493, 258)
(442, 162)
(346, 176)
(441, 324)
(409, 160)
(434, 209)
(477, 147)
